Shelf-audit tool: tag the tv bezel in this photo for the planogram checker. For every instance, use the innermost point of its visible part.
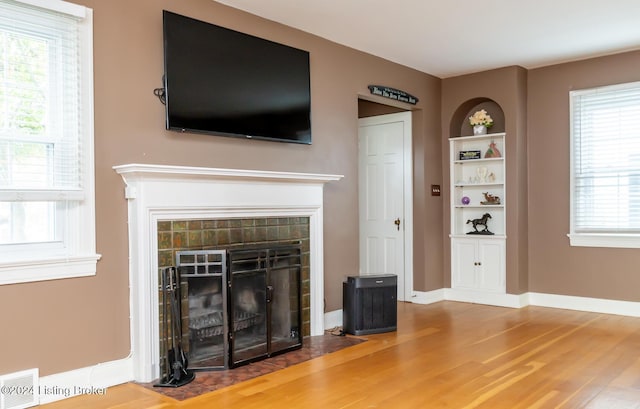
(306, 140)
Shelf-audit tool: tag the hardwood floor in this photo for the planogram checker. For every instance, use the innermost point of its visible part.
(444, 355)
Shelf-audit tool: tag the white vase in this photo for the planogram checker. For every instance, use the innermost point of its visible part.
(479, 130)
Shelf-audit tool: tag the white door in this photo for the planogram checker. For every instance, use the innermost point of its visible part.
(385, 198)
(465, 262)
(491, 254)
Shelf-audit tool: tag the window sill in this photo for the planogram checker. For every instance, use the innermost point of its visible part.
(51, 269)
(630, 241)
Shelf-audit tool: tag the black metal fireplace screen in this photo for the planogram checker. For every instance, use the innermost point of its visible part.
(239, 305)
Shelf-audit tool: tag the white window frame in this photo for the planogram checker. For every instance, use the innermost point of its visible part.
(593, 239)
(78, 258)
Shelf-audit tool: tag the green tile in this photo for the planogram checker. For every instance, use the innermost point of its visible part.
(249, 235)
(284, 232)
(272, 233)
(260, 234)
(165, 258)
(180, 240)
(209, 238)
(164, 241)
(235, 235)
(194, 224)
(179, 225)
(222, 237)
(195, 238)
(209, 224)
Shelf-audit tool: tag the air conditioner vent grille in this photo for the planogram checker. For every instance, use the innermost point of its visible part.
(19, 390)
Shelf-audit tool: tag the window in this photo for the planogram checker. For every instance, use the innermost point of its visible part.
(605, 166)
(47, 216)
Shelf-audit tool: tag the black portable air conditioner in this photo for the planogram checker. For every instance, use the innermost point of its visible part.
(369, 304)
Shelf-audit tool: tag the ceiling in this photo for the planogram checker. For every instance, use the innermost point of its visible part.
(453, 37)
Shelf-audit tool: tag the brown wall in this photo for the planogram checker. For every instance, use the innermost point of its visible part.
(69, 324)
(556, 267)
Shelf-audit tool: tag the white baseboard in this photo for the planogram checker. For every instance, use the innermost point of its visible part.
(427, 297)
(569, 302)
(477, 297)
(92, 380)
(333, 319)
(488, 298)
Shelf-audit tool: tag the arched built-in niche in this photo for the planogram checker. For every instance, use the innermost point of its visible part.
(459, 125)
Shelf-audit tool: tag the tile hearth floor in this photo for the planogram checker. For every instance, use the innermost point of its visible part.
(208, 381)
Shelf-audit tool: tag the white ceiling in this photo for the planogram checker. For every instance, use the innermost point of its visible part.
(452, 37)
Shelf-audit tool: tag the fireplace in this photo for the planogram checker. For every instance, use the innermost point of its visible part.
(159, 193)
(239, 304)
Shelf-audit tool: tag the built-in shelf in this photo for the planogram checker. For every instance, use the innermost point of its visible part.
(478, 260)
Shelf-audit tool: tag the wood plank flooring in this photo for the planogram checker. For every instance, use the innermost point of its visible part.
(444, 355)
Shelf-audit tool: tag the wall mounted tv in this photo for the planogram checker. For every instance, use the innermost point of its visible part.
(223, 82)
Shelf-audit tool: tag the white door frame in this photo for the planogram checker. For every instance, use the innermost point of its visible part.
(407, 189)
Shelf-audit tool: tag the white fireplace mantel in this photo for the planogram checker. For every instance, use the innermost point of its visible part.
(159, 192)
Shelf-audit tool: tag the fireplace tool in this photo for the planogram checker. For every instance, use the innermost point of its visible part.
(176, 371)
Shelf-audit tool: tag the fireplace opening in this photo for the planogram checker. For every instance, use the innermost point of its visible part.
(239, 305)
(204, 248)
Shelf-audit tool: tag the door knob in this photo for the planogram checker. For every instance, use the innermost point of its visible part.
(397, 223)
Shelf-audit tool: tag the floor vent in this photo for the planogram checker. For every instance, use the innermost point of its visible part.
(19, 390)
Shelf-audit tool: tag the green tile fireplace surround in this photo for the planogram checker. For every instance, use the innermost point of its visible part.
(215, 234)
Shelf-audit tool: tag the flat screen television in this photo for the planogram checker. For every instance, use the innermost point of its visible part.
(223, 82)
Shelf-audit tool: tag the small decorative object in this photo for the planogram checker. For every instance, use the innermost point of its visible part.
(480, 121)
(465, 200)
(480, 222)
(479, 130)
(490, 199)
(491, 177)
(466, 155)
(482, 174)
(493, 151)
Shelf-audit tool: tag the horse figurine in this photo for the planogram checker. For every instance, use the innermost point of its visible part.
(480, 222)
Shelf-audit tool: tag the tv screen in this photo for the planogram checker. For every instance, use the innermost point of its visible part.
(220, 81)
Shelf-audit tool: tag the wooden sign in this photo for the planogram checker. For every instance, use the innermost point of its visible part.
(393, 93)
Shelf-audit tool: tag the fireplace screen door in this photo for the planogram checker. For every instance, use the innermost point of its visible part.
(244, 304)
(265, 302)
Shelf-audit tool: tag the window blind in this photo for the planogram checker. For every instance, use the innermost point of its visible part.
(606, 159)
(40, 143)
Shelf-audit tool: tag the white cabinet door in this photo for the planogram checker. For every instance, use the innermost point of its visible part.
(491, 255)
(478, 264)
(464, 263)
